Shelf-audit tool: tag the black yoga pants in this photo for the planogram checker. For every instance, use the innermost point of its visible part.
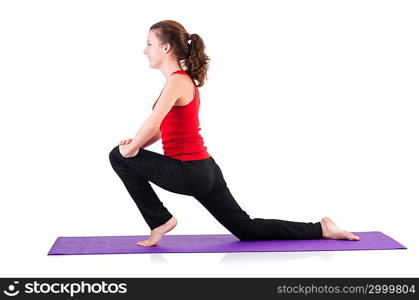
(203, 180)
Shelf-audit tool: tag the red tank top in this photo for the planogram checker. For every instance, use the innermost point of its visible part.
(180, 130)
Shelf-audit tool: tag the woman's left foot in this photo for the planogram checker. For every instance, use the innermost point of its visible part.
(158, 232)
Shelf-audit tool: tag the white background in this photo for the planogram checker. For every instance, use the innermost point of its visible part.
(310, 109)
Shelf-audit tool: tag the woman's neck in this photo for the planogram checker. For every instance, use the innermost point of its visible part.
(169, 69)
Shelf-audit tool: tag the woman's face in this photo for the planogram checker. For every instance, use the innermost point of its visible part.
(154, 50)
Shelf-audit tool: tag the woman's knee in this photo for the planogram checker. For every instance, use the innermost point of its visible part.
(242, 230)
(114, 155)
(245, 236)
(247, 232)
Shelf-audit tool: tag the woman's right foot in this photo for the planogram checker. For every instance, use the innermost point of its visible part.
(331, 231)
(157, 233)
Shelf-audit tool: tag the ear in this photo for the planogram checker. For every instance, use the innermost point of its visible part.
(167, 47)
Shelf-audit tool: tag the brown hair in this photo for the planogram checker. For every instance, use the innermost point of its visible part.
(195, 59)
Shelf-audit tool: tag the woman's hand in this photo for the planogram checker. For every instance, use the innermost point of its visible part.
(124, 149)
(125, 142)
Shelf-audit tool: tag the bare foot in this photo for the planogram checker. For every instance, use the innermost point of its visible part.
(331, 231)
(158, 232)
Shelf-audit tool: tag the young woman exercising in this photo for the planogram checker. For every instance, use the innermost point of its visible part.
(186, 167)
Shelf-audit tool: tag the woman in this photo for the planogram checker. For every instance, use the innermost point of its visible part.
(186, 167)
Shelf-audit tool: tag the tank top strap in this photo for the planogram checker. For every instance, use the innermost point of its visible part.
(178, 71)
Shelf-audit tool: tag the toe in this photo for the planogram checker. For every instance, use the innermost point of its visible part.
(352, 236)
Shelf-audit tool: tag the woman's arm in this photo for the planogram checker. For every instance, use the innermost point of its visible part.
(154, 139)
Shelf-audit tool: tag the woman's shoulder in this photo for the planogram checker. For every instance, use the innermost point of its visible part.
(187, 89)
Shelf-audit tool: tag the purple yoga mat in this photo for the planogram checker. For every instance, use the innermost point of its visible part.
(212, 243)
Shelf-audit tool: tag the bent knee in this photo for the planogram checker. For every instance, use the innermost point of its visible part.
(246, 232)
(243, 232)
(248, 236)
(114, 154)
(245, 237)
